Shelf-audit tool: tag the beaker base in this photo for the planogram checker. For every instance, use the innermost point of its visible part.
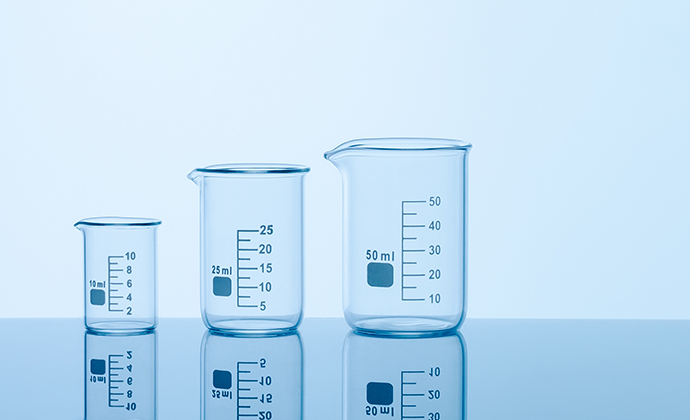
(255, 327)
(116, 327)
(402, 326)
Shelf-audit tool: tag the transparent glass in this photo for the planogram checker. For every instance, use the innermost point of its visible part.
(251, 377)
(119, 273)
(404, 378)
(120, 376)
(251, 246)
(404, 233)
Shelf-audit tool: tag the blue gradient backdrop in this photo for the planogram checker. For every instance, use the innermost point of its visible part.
(579, 113)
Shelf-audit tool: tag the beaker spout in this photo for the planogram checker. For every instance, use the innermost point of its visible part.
(333, 154)
(194, 176)
(336, 155)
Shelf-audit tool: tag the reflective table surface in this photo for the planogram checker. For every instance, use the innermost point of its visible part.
(492, 369)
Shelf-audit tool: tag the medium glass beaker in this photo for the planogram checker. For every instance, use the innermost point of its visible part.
(404, 233)
(251, 246)
(119, 273)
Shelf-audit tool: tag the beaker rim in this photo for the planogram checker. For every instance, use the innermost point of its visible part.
(254, 168)
(411, 144)
(118, 221)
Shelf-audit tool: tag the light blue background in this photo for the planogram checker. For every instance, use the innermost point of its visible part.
(579, 113)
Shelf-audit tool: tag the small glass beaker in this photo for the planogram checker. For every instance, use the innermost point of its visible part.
(404, 233)
(404, 377)
(256, 377)
(119, 273)
(251, 246)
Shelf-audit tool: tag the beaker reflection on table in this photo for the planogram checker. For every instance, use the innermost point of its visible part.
(251, 377)
(399, 378)
(120, 376)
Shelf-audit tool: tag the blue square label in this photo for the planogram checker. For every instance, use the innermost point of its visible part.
(379, 393)
(97, 367)
(222, 286)
(222, 379)
(97, 297)
(380, 274)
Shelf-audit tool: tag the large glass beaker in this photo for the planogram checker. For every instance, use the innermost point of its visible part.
(404, 233)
